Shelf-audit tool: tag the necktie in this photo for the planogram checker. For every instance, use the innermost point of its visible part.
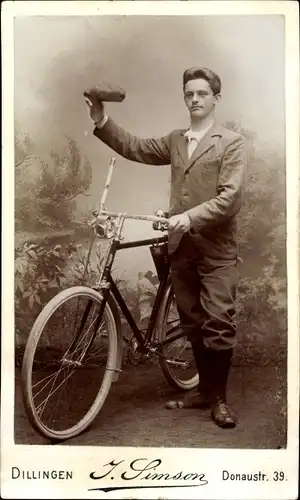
(192, 142)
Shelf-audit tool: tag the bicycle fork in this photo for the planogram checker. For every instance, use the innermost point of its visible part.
(67, 359)
(102, 286)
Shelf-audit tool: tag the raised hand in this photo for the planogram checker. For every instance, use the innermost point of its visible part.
(96, 107)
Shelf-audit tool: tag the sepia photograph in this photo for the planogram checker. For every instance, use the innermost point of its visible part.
(150, 260)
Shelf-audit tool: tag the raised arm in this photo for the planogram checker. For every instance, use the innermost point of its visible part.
(154, 151)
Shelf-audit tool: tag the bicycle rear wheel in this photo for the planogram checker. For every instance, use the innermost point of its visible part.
(69, 363)
(176, 360)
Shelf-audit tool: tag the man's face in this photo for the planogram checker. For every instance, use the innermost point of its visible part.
(199, 98)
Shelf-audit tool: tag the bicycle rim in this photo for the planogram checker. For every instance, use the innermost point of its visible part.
(69, 363)
(177, 360)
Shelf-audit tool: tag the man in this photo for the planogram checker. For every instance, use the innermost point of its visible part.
(208, 165)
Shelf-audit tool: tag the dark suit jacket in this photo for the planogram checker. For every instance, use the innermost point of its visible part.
(208, 186)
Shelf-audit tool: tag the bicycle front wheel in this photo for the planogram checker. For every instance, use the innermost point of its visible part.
(176, 355)
(69, 363)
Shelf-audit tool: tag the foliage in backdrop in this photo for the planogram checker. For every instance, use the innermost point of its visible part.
(46, 188)
(45, 200)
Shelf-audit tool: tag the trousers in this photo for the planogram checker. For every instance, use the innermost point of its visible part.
(205, 292)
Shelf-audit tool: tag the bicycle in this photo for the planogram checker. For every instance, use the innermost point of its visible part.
(84, 353)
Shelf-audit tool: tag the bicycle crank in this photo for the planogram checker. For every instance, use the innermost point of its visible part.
(134, 355)
(177, 362)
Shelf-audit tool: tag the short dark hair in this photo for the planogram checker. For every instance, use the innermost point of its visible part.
(206, 74)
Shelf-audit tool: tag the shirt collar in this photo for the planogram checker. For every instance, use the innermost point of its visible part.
(197, 135)
(215, 129)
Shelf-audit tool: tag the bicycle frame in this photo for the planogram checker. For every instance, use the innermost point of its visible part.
(106, 284)
(97, 302)
(142, 340)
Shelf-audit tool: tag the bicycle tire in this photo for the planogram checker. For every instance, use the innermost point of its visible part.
(108, 366)
(167, 364)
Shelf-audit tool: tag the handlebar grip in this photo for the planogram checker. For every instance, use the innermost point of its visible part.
(160, 226)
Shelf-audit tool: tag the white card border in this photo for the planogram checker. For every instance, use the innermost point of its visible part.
(11, 453)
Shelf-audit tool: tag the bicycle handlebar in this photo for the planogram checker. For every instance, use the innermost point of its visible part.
(103, 218)
(125, 215)
(105, 226)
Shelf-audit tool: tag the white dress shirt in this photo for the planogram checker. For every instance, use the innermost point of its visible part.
(194, 138)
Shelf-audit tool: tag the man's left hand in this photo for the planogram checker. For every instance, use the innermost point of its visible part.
(180, 223)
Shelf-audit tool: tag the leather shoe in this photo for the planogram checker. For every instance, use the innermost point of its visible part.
(222, 415)
(193, 399)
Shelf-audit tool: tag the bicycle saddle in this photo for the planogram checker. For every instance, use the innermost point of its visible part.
(105, 92)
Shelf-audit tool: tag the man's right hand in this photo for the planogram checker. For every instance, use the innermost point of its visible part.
(97, 111)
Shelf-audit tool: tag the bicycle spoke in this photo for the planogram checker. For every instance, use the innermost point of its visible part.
(70, 364)
(84, 337)
(181, 351)
(177, 360)
(41, 381)
(53, 392)
(54, 409)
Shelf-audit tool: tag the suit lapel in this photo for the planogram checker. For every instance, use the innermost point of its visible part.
(206, 143)
(182, 147)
